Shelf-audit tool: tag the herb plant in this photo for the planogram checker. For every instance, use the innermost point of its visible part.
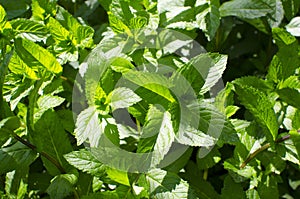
(149, 99)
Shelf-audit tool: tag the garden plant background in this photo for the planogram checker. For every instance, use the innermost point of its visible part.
(149, 99)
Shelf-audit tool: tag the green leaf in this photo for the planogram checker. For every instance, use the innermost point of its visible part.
(290, 96)
(85, 161)
(49, 101)
(15, 157)
(118, 176)
(18, 66)
(88, 126)
(259, 105)
(267, 187)
(202, 188)
(17, 93)
(166, 185)
(122, 98)
(158, 135)
(34, 55)
(295, 136)
(10, 123)
(15, 8)
(29, 29)
(121, 9)
(62, 186)
(209, 19)
(7, 126)
(16, 183)
(82, 34)
(276, 16)
(232, 189)
(291, 8)
(203, 71)
(151, 81)
(194, 137)
(49, 136)
(58, 32)
(294, 27)
(250, 9)
(209, 160)
(286, 61)
(43, 9)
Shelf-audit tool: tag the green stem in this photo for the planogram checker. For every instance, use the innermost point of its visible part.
(264, 147)
(205, 174)
(254, 154)
(34, 148)
(32, 102)
(138, 126)
(3, 71)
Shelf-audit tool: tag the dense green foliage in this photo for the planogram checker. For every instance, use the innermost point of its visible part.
(72, 70)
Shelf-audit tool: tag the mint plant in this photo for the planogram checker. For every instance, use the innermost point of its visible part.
(149, 99)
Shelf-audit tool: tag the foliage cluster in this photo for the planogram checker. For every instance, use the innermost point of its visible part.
(248, 131)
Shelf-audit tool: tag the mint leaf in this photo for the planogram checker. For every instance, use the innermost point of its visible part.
(62, 185)
(15, 157)
(88, 126)
(49, 136)
(122, 98)
(260, 106)
(250, 9)
(34, 55)
(85, 161)
(294, 26)
(168, 185)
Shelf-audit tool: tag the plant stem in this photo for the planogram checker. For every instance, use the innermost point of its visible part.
(264, 147)
(205, 174)
(32, 102)
(33, 147)
(3, 71)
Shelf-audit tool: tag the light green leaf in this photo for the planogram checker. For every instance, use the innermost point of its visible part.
(122, 98)
(209, 19)
(294, 27)
(34, 55)
(43, 9)
(210, 159)
(49, 101)
(203, 71)
(193, 137)
(58, 32)
(249, 9)
(166, 185)
(151, 81)
(82, 34)
(8, 125)
(29, 29)
(88, 126)
(85, 161)
(286, 61)
(158, 135)
(276, 16)
(18, 66)
(118, 176)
